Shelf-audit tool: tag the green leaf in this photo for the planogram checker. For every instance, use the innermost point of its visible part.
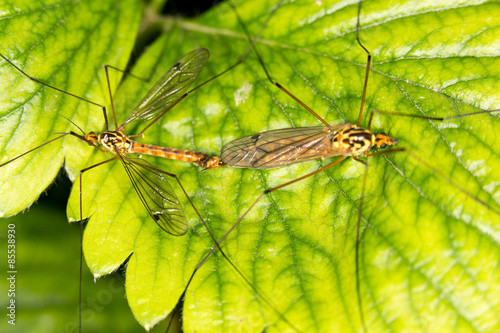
(429, 252)
(66, 45)
(47, 280)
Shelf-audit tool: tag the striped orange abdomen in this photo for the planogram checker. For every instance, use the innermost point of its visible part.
(197, 158)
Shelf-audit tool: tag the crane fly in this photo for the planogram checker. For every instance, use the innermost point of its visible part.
(149, 182)
(277, 148)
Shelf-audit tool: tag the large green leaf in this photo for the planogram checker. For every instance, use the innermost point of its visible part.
(65, 44)
(429, 255)
(47, 280)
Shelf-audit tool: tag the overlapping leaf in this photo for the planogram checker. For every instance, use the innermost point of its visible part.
(429, 255)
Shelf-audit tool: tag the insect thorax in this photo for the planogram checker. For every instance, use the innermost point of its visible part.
(114, 141)
(354, 139)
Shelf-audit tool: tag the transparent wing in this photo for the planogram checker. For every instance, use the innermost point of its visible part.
(156, 194)
(170, 87)
(281, 147)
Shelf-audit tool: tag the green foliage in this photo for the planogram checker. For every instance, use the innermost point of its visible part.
(47, 280)
(429, 252)
(64, 44)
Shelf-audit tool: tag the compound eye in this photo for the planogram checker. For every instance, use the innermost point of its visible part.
(383, 134)
(383, 145)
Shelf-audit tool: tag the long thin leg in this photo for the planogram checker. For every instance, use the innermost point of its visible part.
(109, 87)
(217, 246)
(328, 166)
(64, 92)
(358, 289)
(33, 149)
(243, 216)
(399, 114)
(339, 160)
(277, 84)
(434, 171)
(358, 241)
(111, 95)
(177, 312)
(368, 62)
(440, 174)
(241, 60)
(272, 190)
(46, 143)
(81, 240)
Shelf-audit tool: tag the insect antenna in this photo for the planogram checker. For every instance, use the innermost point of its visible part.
(72, 122)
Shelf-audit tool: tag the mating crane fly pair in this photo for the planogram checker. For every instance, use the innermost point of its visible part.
(150, 183)
(264, 150)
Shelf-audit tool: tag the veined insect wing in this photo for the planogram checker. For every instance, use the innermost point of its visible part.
(170, 87)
